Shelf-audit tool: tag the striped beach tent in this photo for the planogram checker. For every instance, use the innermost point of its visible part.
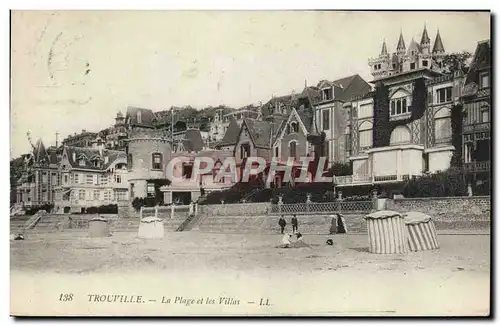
(386, 232)
(421, 232)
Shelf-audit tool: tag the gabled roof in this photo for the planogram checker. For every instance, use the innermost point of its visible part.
(481, 60)
(231, 135)
(260, 132)
(351, 86)
(91, 152)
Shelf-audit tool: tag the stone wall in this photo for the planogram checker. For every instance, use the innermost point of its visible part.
(449, 212)
(247, 209)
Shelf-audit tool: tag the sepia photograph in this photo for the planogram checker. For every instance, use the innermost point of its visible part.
(233, 163)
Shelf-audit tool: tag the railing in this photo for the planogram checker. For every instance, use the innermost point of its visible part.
(367, 179)
(353, 179)
(322, 208)
(478, 166)
(169, 210)
(477, 127)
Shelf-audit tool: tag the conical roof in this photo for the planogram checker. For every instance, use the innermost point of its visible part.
(384, 49)
(39, 153)
(401, 43)
(425, 37)
(438, 44)
(414, 47)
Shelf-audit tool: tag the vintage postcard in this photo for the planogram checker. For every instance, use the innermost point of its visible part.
(250, 163)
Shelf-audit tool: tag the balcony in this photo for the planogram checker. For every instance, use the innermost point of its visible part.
(353, 180)
(484, 166)
(485, 126)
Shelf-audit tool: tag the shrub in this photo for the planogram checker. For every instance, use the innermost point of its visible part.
(449, 183)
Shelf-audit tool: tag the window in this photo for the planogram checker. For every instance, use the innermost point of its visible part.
(65, 179)
(245, 150)
(81, 194)
(121, 194)
(276, 151)
(107, 195)
(131, 190)
(292, 149)
(187, 170)
(54, 179)
(400, 106)
(365, 135)
(97, 194)
(89, 179)
(77, 178)
(157, 161)
(151, 190)
(118, 178)
(412, 65)
(104, 179)
(326, 150)
(129, 161)
(442, 129)
(484, 81)
(294, 127)
(139, 117)
(326, 119)
(400, 135)
(365, 138)
(444, 95)
(348, 145)
(485, 115)
(44, 177)
(327, 94)
(425, 63)
(365, 111)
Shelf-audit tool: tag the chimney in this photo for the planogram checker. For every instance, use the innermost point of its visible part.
(106, 159)
(74, 157)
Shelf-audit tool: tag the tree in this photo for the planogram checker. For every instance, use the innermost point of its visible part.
(341, 168)
(457, 61)
(16, 170)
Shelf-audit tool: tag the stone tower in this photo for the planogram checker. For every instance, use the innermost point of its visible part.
(148, 153)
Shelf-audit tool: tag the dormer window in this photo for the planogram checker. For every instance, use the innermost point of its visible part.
(327, 94)
(412, 65)
(139, 117)
(293, 127)
(484, 80)
(425, 63)
(81, 162)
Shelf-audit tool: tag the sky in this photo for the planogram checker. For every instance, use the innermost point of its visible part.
(74, 70)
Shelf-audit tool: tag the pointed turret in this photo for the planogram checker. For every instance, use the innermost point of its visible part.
(39, 152)
(384, 49)
(438, 44)
(425, 38)
(401, 48)
(414, 48)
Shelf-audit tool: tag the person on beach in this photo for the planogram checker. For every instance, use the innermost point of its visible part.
(286, 240)
(295, 224)
(333, 226)
(282, 224)
(341, 227)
